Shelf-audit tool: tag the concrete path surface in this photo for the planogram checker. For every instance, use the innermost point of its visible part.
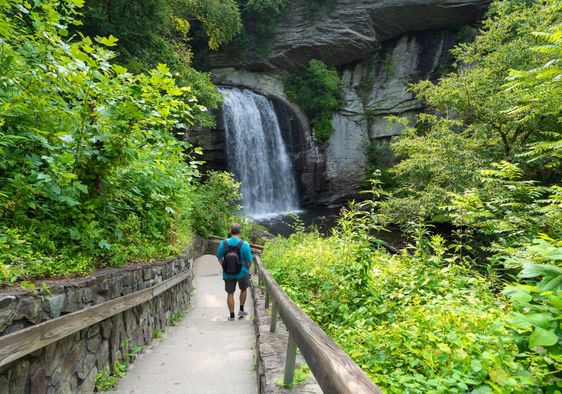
(205, 353)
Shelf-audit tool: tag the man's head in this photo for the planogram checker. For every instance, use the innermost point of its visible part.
(235, 229)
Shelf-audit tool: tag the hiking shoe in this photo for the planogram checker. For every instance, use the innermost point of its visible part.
(242, 313)
(231, 318)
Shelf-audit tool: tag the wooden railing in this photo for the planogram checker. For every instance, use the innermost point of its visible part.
(23, 342)
(334, 370)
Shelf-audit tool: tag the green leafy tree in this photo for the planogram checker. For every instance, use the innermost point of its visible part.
(220, 19)
(434, 163)
(316, 90)
(275, 6)
(161, 31)
(507, 211)
(91, 172)
(472, 108)
(538, 91)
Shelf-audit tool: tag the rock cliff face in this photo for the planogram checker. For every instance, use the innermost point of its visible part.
(379, 48)
(348, 30)
(373, 89)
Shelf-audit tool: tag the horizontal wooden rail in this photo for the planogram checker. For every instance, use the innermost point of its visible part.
(23, 342)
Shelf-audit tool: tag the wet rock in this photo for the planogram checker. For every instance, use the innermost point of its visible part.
(4, 385)
(93, 343)
(102, 355)
(38, 379)
(73, 358)
(89, 382)
(7, 310)
(106, 327)
(30, 308)
(87, 364)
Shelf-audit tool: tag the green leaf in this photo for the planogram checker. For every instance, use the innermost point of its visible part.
(80, 186)
(518, 294)
(542, 337)
(481, 390)
(539, 320)
(103, 244)
(532, 270)
(520, 321)
(66, 158)
(110, 41)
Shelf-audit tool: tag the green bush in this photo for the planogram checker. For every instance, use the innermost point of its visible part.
(316, 90)
(507, 210)
(419, 322)
(91, 173)
(538, 301)
(216, 204)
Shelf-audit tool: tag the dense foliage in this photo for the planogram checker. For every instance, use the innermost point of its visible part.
(500, 102)
(213, 204)
(416, 322)
(316, 90)
(91, 172)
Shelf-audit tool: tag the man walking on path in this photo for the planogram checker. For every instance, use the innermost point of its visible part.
(234, 246)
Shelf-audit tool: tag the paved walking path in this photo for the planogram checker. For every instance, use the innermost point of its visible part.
(204, 353)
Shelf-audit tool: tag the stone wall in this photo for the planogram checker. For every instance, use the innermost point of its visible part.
(70, 365)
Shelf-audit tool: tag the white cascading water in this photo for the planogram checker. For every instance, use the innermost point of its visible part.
(257, 155)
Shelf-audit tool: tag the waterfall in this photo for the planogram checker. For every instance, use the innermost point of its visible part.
(256, 153)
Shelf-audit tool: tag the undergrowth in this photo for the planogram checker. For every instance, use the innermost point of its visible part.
(420, 321)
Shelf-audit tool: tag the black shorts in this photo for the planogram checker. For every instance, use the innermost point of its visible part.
(230, 284)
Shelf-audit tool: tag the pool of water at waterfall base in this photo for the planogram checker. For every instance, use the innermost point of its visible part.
(324, 219)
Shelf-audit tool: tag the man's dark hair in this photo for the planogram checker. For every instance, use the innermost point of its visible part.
(235, 229)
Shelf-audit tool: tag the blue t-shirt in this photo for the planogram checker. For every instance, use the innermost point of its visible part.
(245, 255)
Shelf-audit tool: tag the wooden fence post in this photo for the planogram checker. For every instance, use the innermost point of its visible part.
(273, 326)
(266, 299)
(290, 361)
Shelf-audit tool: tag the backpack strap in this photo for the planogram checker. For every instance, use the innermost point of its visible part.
(239, 246)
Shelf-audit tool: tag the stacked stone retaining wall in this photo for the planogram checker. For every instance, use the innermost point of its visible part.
(71, 364)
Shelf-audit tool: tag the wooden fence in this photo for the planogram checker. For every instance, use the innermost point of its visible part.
(23, 342)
